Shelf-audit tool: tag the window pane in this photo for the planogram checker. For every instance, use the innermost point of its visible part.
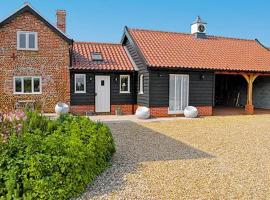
(141, 84)
(27, 84)
(185, 93)
(172, 93)
(79, 81)
(124, 83)
(22, 40)
(18, 85)
(32, 41)
(36, 84)
(96, 56)
(178, 93)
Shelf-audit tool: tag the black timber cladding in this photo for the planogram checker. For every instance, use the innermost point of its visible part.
(200, 89)
(156, 81)
(88, 98)
(136, 55)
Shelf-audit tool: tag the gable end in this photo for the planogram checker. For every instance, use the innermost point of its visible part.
(28, 8)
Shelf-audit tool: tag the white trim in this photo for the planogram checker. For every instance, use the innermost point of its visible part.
(141, 84)
(84, 80)
(22, 84)
(180, 111)
(125, 92)
(27, 33)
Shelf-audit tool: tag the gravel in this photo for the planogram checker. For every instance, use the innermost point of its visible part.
(208, 158)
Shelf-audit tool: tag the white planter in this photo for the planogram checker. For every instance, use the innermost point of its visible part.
(191, 112)
(61, 108)
(142, 113)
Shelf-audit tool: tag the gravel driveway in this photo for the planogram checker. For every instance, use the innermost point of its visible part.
(208, 158)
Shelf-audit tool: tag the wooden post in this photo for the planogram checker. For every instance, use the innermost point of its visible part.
(250, 78)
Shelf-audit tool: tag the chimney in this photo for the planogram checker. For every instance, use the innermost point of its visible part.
(61, 20)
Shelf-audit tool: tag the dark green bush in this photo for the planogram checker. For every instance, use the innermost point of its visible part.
(53, 159)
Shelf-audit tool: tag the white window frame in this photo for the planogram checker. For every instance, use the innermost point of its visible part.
(84, 89)
(27, 41)
(128, 91)
(180, 111)
(141, 84)
(93, 54)
(22, 82)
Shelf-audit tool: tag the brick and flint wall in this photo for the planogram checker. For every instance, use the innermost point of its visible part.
(51, 62)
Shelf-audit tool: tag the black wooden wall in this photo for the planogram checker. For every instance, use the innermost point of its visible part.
(201, 91)
(142, 99)
(117, 98)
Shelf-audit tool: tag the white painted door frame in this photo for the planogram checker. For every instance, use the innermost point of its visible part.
(103, 93)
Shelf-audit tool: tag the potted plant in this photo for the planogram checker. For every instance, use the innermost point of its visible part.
(118, 111)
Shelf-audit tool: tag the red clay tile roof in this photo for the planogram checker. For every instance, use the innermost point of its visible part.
(169, 49)
(114, 57)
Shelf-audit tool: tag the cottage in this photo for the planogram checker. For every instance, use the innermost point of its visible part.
(34, 60)
(165, 71)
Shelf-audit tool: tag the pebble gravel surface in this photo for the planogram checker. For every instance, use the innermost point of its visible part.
(209, 158)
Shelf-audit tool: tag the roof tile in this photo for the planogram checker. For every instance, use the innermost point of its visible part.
(114, 57)
(170, 49)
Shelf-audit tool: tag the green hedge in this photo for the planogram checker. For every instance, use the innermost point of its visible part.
(53, 159)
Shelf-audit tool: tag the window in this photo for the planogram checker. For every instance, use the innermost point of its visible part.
(124, 83)
(178, 93)
(141, 84)
(96, 56)
(27, 40)
(80, 83)
(27, 85)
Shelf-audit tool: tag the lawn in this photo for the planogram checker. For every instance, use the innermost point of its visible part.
(206, 158)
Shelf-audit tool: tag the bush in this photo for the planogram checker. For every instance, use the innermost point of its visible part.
(53, 159)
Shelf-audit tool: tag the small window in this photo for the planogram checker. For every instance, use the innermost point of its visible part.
(27, 40)
(96, 56)
(102, 83)
(18, 85)
(80, 83)
(141, 84)
(124, 83)
(27, 85)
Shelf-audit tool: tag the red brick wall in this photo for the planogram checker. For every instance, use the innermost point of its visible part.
(51, 62)
(163, 111)
(249, 109)
(205, 110)
(82, 109)
(159, 111)
(127, 109)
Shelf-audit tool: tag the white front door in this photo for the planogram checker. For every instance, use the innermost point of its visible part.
(102, 103)
(178, 94)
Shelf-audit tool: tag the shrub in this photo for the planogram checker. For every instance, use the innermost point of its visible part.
(53, 159)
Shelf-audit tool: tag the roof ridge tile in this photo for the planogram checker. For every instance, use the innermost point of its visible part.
(184, 33)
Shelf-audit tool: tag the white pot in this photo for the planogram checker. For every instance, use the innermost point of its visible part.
(191, 112)
(61, 108)
(142, 113)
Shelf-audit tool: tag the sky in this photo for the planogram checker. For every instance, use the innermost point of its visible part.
(104, 20)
